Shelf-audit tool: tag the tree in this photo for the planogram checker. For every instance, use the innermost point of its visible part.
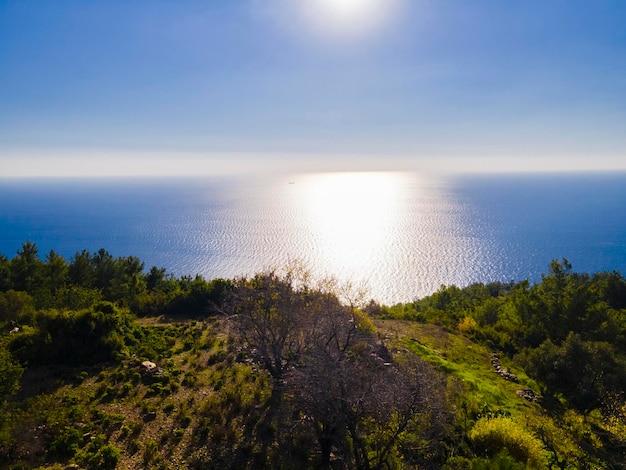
(5, 274)
(270, 318)
(562, 450)
(126, 281)
(271, 321)
(26, 268)
(15, 306)
(322, 384)
(348, 389)
(155, 278)
(329, 372)
(81, 271)
(104, 270)
(55, 271)
(53, 282)
(10, 373)
(612, 288)
(584, 372)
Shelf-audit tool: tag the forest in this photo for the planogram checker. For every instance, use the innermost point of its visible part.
(105, 364)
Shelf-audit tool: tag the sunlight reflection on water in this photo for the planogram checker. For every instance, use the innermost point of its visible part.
(351, 215)
(402, 234)
(398, 234)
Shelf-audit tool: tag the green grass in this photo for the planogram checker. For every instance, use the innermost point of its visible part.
(469, 362)
(209, 403)
(95, 418)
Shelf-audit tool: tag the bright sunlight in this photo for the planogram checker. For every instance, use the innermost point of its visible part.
(350, 10)
(351, 214)
(349, 17)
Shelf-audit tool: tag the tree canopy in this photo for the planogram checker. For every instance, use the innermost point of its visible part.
(277, 371)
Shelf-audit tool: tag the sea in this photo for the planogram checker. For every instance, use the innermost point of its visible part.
(395, 236)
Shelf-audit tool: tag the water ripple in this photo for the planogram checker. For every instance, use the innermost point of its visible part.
(402, 234)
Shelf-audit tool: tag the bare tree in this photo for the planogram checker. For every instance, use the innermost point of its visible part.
(329, 371)
(357, 401)
(271, 313)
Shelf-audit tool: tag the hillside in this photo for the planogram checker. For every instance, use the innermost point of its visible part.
(105, 366)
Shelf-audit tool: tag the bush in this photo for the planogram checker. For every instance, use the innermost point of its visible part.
(151, 452)
(109, 456)
(67, 442)
(100, 455)
(467, 325)
(491, 436)
(501, 461)
(10, 373)
(583, 372)
(86, 337)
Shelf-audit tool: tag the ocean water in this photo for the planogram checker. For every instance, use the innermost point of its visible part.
(399, 235)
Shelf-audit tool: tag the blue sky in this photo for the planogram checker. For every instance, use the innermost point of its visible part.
(149, 87)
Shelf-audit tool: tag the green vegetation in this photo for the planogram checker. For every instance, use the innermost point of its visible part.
(493, 435)
(104, 365)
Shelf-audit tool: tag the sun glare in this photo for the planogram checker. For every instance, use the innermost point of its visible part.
(349, 9)
(349, 17)
(350, 215)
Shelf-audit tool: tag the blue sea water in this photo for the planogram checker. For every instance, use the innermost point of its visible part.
(399, 235)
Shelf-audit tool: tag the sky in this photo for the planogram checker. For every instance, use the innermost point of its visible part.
(151, 87)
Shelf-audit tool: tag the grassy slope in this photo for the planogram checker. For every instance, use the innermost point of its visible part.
(207, 388)
(458, 356)
(153, 422)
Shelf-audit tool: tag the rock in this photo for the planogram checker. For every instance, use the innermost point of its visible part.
(382, 352)
(528, 394)
(502, 372)
(150, 368)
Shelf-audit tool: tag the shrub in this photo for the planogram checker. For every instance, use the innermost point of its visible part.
(467, 325)
(74, 338)
(10, 373)
(151, 452)
(502, 461)
(67, 442)
(100, 455)
(491, 436)
(109, 456)
(185, 420)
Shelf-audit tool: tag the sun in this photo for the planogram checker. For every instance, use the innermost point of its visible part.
(349, 17)
(350, 10)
